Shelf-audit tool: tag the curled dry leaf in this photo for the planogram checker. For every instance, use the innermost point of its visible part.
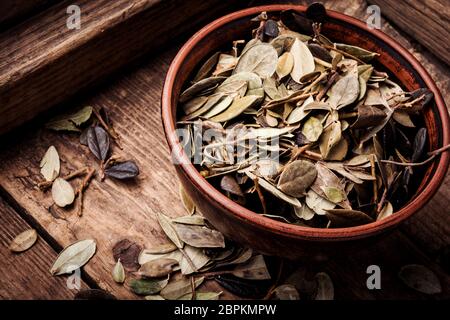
(187, 201)
(123, 170)
(344, 92)
(145, 287)
(23, 241)
(118, 272)
(50, 164)
(325, 288)
(74, 257)
(192, 220)
(420, 278)
(254, 269)
(157, 268)
(297, 177)
(127, 252)
(169, 229)
(62, 192)
(312, 129)
(98, 142)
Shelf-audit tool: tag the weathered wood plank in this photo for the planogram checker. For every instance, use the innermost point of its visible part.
(115, 210)
(42, 62)
(13, 11)
(425, 21)
(26, 275)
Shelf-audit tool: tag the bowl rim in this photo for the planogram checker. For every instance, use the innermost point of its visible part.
(278, 227)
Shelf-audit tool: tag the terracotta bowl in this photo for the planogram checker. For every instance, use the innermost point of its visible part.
(270, 236)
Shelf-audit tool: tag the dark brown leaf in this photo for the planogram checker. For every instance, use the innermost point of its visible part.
(98, 142)
(123, 170)
(128, 253)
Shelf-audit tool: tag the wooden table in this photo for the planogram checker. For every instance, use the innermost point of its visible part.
(114, 210)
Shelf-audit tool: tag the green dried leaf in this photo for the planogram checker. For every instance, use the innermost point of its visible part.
(312, 129)
(169, 229)
(344, 92)
(358, 52)
(70, 122)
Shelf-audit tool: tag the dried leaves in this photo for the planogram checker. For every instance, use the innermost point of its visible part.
(297, 177)
(127, 252)
(23, 241)
(50, 164)
(420, 278)
(98, 142)
(62, 193)
(74, 257)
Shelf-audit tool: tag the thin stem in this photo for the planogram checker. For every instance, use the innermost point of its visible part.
(345, 54)
(47, 184)
(110, 130)
(260, 195)
(273, 287)
(84, 184)
(188, 259)
(330, 81)
(432, 155)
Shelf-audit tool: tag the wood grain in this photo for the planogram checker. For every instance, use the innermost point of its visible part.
(116, 210)
(425, 21)
(42, 62)
(14, 11)
(26, 275)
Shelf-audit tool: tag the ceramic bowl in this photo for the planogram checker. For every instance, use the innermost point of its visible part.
(274, 237)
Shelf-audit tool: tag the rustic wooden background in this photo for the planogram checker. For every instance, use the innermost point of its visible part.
(115, 210)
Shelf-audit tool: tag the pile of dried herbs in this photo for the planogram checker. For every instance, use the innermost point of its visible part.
(350, 142)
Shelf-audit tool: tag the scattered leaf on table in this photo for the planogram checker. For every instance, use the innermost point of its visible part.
(23, 241)
(195, 219)
(98, 142)
(118, 272)
(198, 258)
(123, 170)
(50, 164)
(325, 288)
(74, 257)
(70, 122)
(62, 192)
(199, 236)
(169, 229)
(420, 278)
